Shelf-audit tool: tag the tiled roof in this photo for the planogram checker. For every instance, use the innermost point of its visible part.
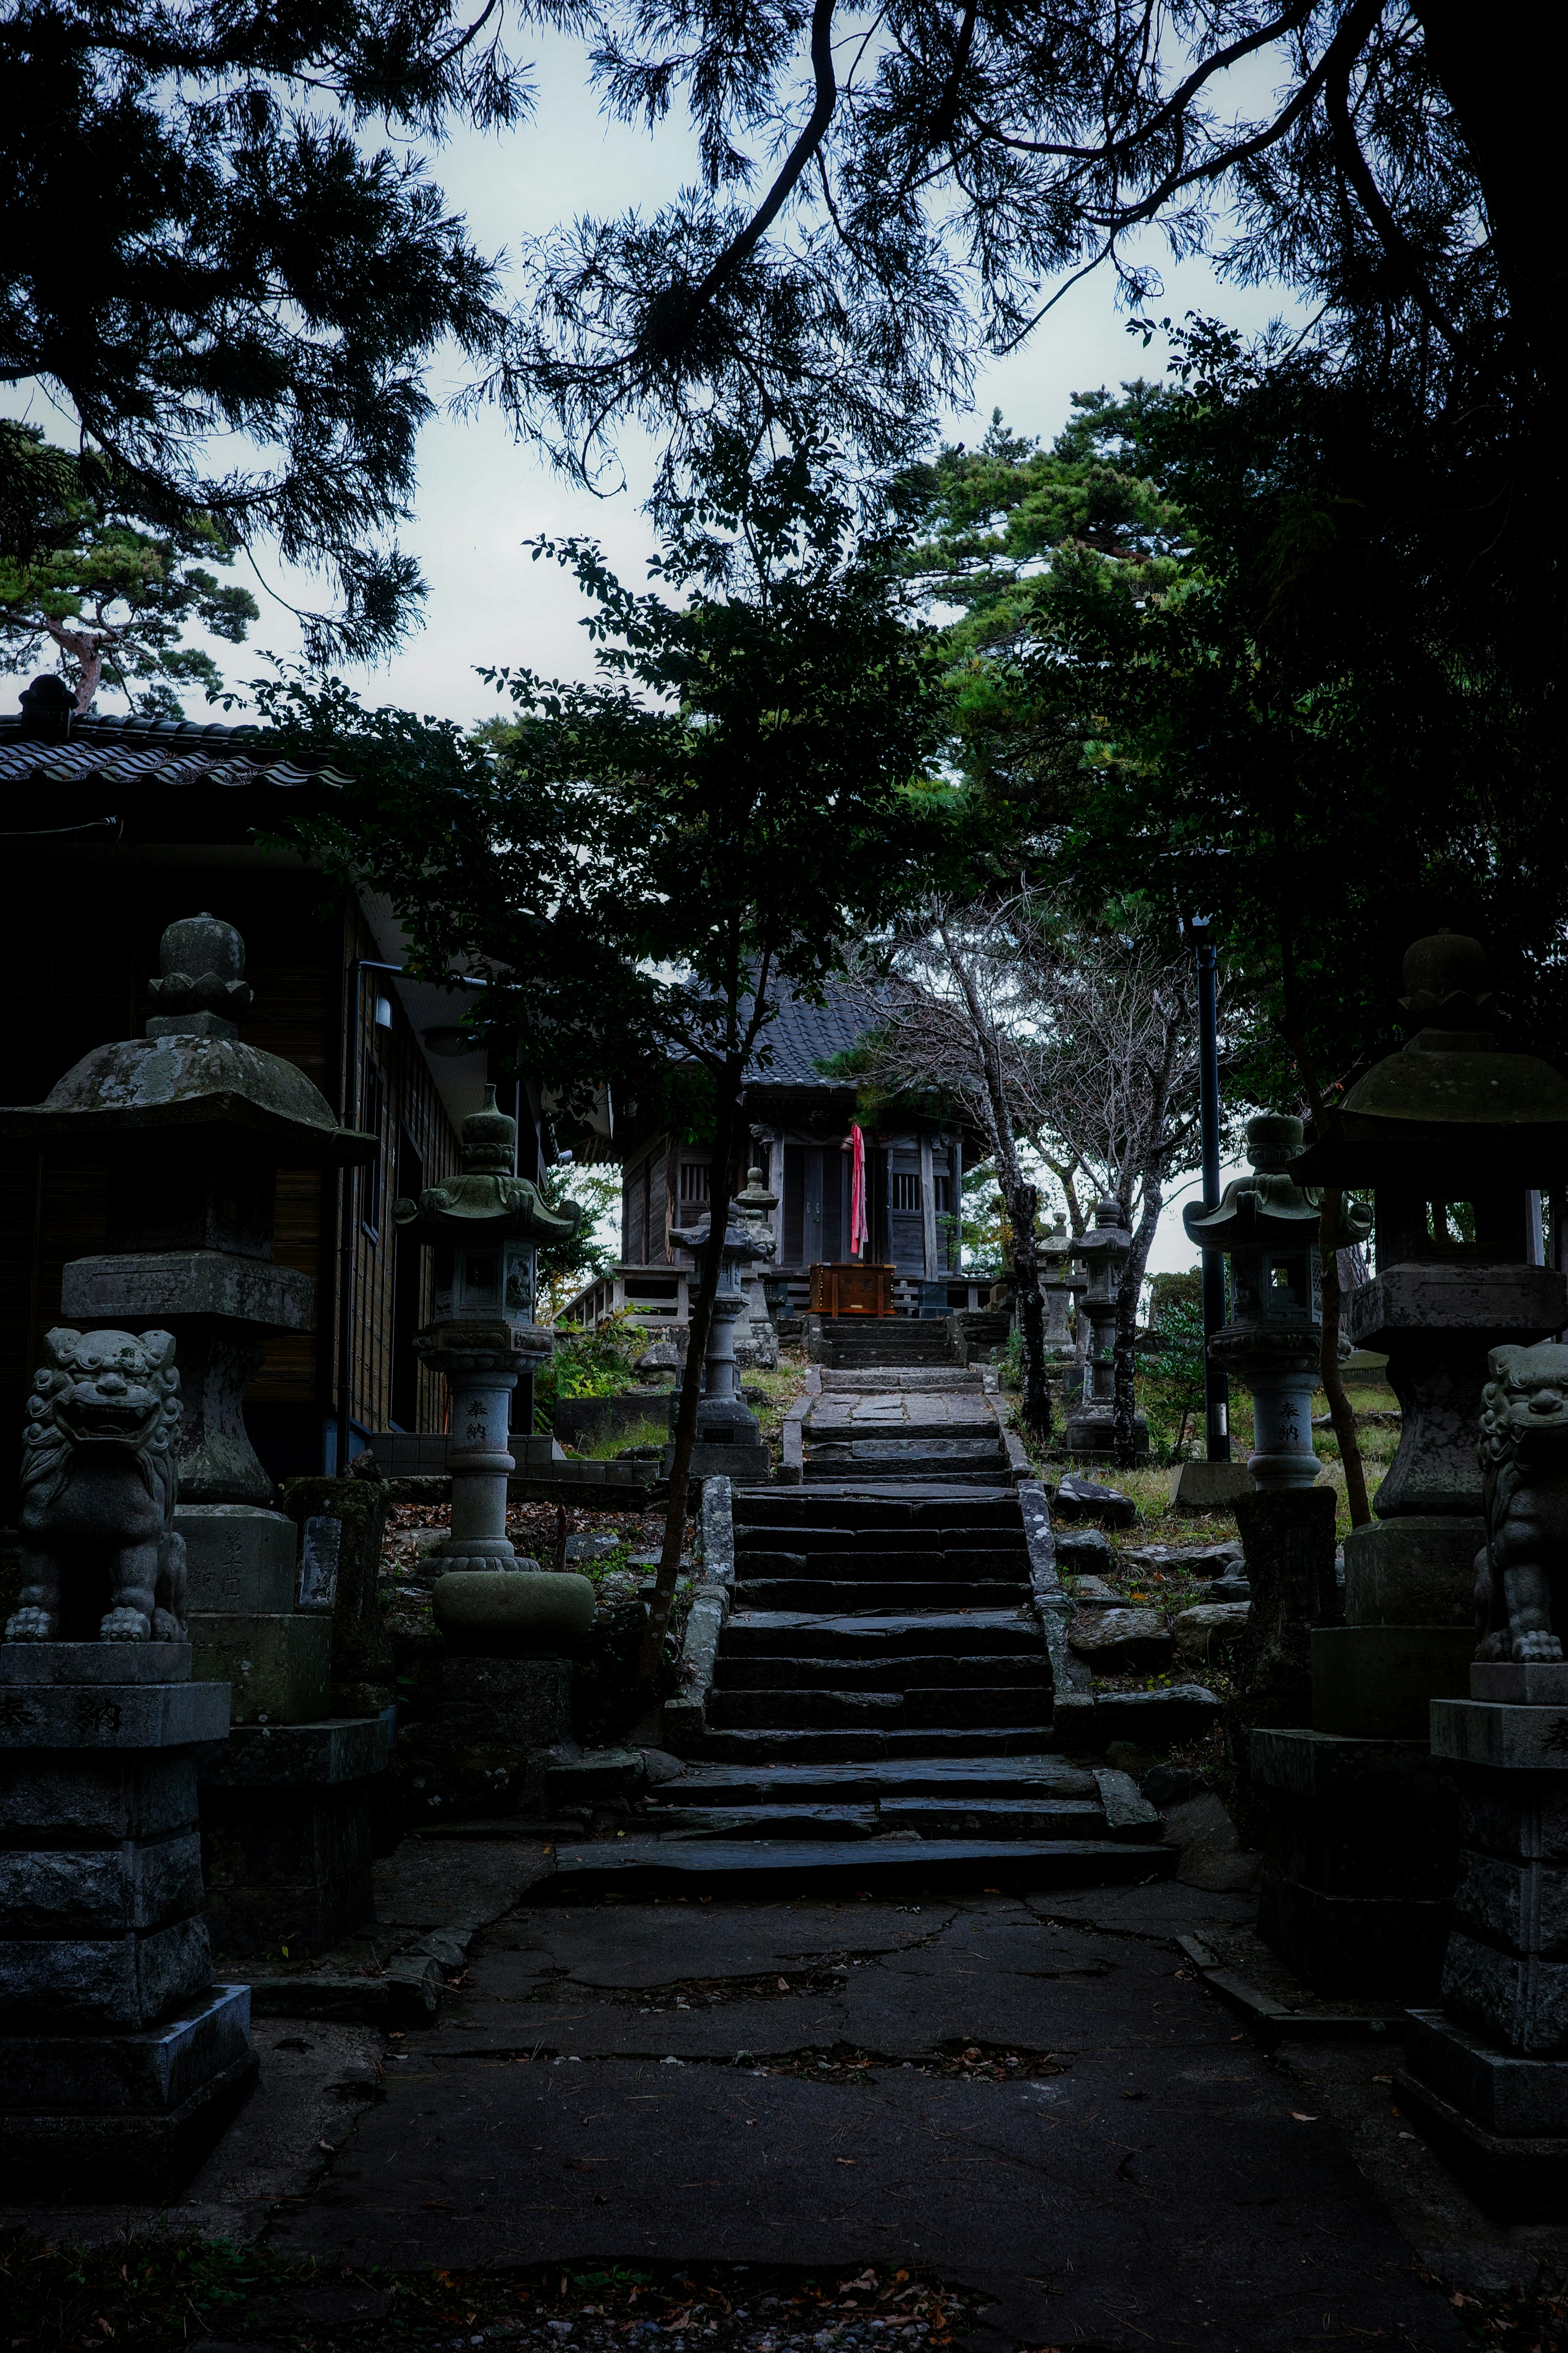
(801, 1036)
(120, 752)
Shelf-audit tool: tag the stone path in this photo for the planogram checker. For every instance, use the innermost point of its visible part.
(1031, 2095)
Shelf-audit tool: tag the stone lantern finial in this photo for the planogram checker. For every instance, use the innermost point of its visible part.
(489, 1140)
(1448, 979)
(201, 989)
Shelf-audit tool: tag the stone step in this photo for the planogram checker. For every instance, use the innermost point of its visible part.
(955, 1777)
(906, 1381)
(816, 1471)
(786, 1633)
(957, 1707)
(921, 1508)
(881, 1594)
(766, 1867)
(841, 1744)
(753, 1541)
(981, 1446)
(993, 1817)
(769, 1821)
(986, 1566)
(988, 1818)
(953, 1669)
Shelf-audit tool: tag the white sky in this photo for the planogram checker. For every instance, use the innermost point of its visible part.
(480, 495)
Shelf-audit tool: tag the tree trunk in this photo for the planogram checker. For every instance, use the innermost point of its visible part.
(1341, 1411)
(726, 1122)
(1125, 1345)
(1023, 1206)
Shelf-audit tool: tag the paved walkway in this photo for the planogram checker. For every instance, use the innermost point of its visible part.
(1031, 2094)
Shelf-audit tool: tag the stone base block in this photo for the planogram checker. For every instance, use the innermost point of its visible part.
(1521, 2000)
(147, 2074)
(748, 1466)
(1353, 1945)
(1377, 1682)
(1523, 1739)
(131, 1887)
(80, 2158)
(517, 1611)
(238, 1556)
(517, 1703)
(99, 1798)
(102, 1983)
(1209, 1486)
(1092, 1433)
(1361, 1841)
(278, 1667)
(1498, 2089)
(1417, 1571)
(111, 1715)
(94, 1662)
(1498, 2122)
(287, 1844)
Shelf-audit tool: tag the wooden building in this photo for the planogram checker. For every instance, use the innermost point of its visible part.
(799, 1121)
(109, 837)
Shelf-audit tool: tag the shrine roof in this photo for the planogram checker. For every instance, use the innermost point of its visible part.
(120, 752)
(802, 1035)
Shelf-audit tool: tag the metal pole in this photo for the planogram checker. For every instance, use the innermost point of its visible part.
(1216, 1384)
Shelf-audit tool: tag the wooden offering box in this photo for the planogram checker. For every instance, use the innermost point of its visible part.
(851, 1289)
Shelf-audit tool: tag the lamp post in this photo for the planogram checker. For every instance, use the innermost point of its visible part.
(1216, 1382)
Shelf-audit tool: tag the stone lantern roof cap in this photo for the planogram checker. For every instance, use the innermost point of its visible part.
(485, 1200)
(740, 1242)
(192, 1069)
(1450, 1091)
(1107, 1235)
(1269, 1207)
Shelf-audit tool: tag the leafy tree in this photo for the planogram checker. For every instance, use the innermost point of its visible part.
(1177, 1355)
(106, 597)
(201, 247)
(652, 855)
(562, 1268)
(880, 185)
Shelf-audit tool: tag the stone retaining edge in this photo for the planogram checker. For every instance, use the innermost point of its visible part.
(684, 1716)
(792, 1470)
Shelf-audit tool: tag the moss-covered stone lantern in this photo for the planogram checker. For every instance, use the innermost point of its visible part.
(483, 1227)
(1451, 1134)
(1105, 1250)
(1267, 1225)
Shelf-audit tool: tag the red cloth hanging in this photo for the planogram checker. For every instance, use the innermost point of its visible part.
(859, 1231)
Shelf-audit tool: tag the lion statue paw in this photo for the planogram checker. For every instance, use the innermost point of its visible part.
(30, 1626)
(124, 1626)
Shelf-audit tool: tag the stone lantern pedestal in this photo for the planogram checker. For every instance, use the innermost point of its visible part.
(483, 1226)
(756, 1340)
(121, 2060)
(728, 1443)
(1061, 1283)
(1448, 1133)
(1091, 1426)
(1485, 2075)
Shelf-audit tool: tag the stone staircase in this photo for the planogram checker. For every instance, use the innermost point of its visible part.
(880, 1714)
(891, 1342)
(901, 1424)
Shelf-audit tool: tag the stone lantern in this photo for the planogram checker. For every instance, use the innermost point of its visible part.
(483, 1226)
(1267, 1225)
(1451, 1134)
(728, 1443)
(1105, 1250)
(1061, 1281)
(756, 1341)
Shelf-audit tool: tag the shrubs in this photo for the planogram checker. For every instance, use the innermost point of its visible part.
(597, 1362)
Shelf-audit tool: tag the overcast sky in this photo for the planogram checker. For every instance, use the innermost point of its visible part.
(480, 495)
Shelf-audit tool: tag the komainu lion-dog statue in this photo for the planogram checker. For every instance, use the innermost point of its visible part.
(101, 1559)
(1521, 1570)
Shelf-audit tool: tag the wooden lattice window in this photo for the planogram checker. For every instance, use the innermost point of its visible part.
(906, 1191)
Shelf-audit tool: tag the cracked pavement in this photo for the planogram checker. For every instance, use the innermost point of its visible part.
(787, 2083)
